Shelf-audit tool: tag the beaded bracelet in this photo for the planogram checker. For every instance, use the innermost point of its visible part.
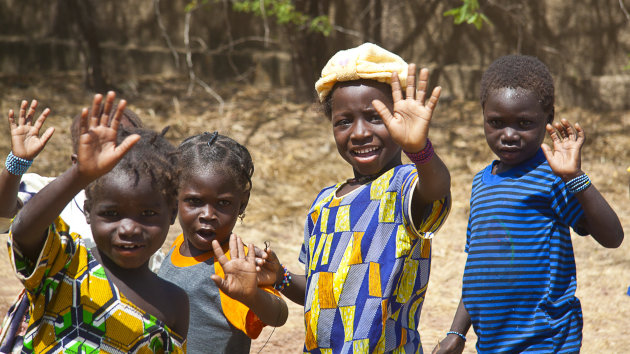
(17, 165)
(459, 334)
(286, 280)
(578, 183)
(423, 156)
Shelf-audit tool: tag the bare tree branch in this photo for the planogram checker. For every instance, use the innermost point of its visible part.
(264, 18)
(625, 11)
(158, 16)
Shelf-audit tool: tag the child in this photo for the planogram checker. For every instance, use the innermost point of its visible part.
(520, 279)
(214, 187)
(105, 298)
(367, 240)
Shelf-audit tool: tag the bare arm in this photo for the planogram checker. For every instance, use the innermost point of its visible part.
(26, 144)
(599, 219)
(97, 154)
(461, 324)
(270, 272)
(409, 127)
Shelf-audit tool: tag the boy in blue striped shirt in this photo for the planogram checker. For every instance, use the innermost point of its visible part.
(519, 282)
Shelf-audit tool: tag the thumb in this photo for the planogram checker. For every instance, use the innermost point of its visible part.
(127, 144)
(547, 151)
(383, 111)
(220, 282)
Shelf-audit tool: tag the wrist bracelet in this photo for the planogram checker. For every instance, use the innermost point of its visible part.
(286, 280)
(459, 334)
(423, 156)
(16, 165)
(578, 183)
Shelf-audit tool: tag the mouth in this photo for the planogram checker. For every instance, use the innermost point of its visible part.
(365, 152)
(128, 247)
(207, 234)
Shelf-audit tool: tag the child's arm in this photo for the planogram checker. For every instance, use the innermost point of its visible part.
(97, 155)
(409, 127)
(271, 272)
(26, 144)
(453, 343)
(241, 283)
(599, 219)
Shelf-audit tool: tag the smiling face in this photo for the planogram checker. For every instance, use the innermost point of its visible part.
(514, 125)
(129, 222)
(210, 202)
(360, 134)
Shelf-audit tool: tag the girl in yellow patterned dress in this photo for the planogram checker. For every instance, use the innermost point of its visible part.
(105, 299)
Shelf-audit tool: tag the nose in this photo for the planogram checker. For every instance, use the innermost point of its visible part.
(207, 213)
(128, 227)
(510, 136)
(360, 129)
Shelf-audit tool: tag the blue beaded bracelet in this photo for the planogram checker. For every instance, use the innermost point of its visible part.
(17, 165)
(578, 183)
(459, 334)
(286, 280)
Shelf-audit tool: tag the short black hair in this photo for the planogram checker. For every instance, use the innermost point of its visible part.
(128, 114)
(213, 150)
(151, 156)
(522, 71)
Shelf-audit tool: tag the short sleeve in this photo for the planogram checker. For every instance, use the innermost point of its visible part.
(566, 207)
(58, 253)
(433, 218)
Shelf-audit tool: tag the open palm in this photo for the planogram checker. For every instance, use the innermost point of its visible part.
(240, 282)
(408, 125)
(565, 157)
(25, 140)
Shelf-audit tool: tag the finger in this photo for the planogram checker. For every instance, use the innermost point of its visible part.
(83, 121)
(96, 108)
(435, 97)
(109, 102)
(580, 133)
(422, 85)
(562, 133)
(11, 119)
(118, 115)
(555, 138)
(221, 283)
(411, 81)
(41, 119)
(396, 91)
(31, 112)
(569, 129)
(251, 254)
(22, 116)
(126, 145)
(47, 135)
(383, 111)
(218, 252)
(241, 247)
(547, 151)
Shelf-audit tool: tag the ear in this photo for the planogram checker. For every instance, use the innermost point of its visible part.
(244, 202)
(86, 210)
(74, 159)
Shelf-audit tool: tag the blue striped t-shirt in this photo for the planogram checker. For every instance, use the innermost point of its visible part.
(519, 281)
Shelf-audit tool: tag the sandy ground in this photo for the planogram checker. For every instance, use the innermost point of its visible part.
(295, 157)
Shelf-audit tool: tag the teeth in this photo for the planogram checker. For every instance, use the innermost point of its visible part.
(128, 247)
(365, 151)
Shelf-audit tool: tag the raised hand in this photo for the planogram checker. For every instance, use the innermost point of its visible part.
(268, 267)
(97, 151)
(565, 157)
(408, 125)
(25, 140)
(240, 271)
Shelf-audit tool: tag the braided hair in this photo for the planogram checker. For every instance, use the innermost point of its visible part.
(206, 150)
(151, 156)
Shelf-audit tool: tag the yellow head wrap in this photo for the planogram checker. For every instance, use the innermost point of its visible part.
(367, 61)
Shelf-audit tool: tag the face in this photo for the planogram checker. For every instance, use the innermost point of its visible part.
(129, 223)
(360, 134)
(514, 124)
(210, 202)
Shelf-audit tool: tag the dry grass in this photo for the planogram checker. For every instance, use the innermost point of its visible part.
(295, 157)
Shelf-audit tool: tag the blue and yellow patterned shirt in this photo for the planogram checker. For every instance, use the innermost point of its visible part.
(76, 309)
(367, 266)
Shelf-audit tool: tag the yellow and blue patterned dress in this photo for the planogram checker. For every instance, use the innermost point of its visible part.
(76, 309)
(367, 266)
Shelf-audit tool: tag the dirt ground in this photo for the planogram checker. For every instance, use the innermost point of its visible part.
(295, 157)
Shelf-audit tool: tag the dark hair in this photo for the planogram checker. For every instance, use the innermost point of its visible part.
(128, 114)
(151, 156)
(326, 105)
(522, 71)
(201, 151)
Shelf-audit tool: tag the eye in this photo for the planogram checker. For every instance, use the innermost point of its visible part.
(149, 213)
(375, 118)
(341, 121)
(525, 123)
(193, 201)
(108, 213)
(495, 123)
(224, 203)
